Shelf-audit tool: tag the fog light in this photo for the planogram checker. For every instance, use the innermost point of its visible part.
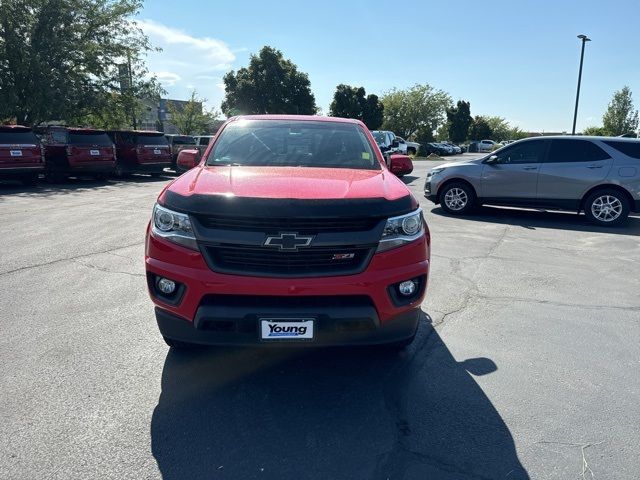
(166, 286)
(407, 288)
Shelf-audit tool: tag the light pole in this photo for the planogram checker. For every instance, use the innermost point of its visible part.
(584, 39)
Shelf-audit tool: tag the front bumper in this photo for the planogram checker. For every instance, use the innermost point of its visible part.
(335, 326)
(430, 190)
(241, 300)
(17, 172)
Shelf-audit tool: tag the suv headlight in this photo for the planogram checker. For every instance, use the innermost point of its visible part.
(401, 230)
(434, 171)
(173, 226)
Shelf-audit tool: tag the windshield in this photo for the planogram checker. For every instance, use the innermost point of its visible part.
(93, 138)
(18, 137)
(151, 139)
(379, 137)
(293, 144)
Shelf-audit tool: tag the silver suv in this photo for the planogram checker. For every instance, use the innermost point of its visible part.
(597, 175)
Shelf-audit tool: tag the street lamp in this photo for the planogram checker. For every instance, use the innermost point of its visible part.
(584, 39)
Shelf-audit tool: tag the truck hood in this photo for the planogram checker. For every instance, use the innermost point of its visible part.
(288, 192)
(304, 183)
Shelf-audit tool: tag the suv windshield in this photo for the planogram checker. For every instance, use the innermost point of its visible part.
(379, 137)
(293, 144)
(93, 138)
(151, 139)
(18, 137)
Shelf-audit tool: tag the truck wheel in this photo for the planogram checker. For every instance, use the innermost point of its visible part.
(177, 344)
(607, 207)
(457, 198)
(29, 180)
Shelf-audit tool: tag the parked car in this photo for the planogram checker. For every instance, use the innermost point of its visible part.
(487, 145)
(437, 148)
(203, 140)
(401, 165)
(338, 248)
(597, 175)
(386, 140)
(77, 152)
(472, 147)
(20, 154)
(141, 151)
(407, 148)
(178, 143)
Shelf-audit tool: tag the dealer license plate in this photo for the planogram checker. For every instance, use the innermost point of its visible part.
(16, 153)
(94, 152)
(286, 328)
(157, 151)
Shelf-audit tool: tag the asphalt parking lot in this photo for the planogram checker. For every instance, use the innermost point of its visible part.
(526, 364)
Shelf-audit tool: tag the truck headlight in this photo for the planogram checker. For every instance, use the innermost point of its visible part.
(401, 230)
(173, 226)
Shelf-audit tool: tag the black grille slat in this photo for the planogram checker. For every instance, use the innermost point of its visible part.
(300, 225)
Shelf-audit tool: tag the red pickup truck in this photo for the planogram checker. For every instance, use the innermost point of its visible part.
(20, 154)
(290, 230)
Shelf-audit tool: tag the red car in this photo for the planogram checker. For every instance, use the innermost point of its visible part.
(289, 230)
(20, 154)
(77, 152)
(141, 152)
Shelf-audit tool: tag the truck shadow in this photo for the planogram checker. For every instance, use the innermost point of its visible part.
(533, 219)
(351, 413)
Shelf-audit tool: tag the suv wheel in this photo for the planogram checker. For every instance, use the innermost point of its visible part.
(457, 198)
(606, 207)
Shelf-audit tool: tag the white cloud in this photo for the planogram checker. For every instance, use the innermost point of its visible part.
(188, 62)
(168, 79)
(210, 49)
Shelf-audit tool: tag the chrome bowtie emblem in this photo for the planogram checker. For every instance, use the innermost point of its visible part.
(288, 241)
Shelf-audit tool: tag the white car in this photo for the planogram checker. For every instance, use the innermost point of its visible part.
(487, 145)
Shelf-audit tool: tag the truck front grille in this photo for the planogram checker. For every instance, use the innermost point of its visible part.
(264, 261)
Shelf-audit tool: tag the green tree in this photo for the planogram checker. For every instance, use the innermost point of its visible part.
(458, 121)
(59, 58)
(420, 106)
(621, 116)
(352, 102)
(192, 118)
(480, 129)
(270, 84)
(596, 131)
(500, 128)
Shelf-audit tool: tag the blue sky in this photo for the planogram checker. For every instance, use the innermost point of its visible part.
(518, 60)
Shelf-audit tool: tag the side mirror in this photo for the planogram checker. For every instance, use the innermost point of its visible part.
(187, 159)
(491, 160)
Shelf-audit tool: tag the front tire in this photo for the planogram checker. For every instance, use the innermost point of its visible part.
(29, 180)
(607, 207)
(457, 198)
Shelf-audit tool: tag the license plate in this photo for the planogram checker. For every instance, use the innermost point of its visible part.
(157, 152)
(16, 153)
(94, 152)
(286, 328)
